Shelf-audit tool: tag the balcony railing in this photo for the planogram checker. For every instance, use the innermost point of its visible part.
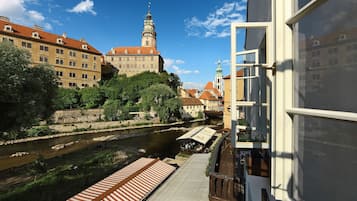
(223, 185)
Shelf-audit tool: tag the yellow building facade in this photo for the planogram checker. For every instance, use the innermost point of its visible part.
(77, 64)
(227, 97)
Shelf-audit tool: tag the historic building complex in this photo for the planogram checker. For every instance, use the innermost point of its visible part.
(134, 60)
(77, 63)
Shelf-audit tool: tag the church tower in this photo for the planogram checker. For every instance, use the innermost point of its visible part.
(218, 80)
(148, 38)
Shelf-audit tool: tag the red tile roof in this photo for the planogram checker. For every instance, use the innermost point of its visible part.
(133, 51)
(240, 73)
(45, 37)
(206, 95)
(190, 101)
(192, 92)
(209, 85)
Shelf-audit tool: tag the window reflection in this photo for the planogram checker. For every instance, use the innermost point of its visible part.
(325, 159)
(325, 62)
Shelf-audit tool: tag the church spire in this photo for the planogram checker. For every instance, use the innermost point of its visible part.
(148, 38)
(218, 80)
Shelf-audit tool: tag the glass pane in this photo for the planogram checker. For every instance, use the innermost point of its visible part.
(302, 3)
(325, 61)
(325, 159)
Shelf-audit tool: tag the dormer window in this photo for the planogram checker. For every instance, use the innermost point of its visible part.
(342, 37)
(8, 28)
(85, 46)
(59, 41)
(35, 35)
(126, 51)
(315, 43)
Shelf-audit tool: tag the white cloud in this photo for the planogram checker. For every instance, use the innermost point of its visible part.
(17, 12)
(83, 7)
(173, 66)
(217, 23)
(193, 85)
(35, 16)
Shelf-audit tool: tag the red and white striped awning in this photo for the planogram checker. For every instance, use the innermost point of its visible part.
(134, 182)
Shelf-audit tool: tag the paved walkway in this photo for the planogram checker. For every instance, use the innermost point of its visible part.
(188, 183)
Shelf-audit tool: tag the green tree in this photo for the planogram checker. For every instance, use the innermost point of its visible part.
(162, 99)
(111, 109)
(26, 94)
(91, 97)
(67, 99)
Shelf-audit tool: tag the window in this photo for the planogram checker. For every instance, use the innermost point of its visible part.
(72, 74)
(94, 65)
(59, 61)
(59, 73)
(84, 76)
(322, 135)
(72, 84)
(59, 41)
(59, 51)
(94, 58)
(94, 77)
(85, 47)
(44, 48)
(8, 39)
(84, 65)
(43, 59)
(84, 56)
(59, 83)
(84, 85)
(35, 35)
(72, 63)
(8, 28)
(72, 53)
(26, 44)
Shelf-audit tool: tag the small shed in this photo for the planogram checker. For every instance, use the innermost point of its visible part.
(196, 139)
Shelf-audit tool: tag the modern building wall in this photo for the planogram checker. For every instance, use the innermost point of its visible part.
(75, 65)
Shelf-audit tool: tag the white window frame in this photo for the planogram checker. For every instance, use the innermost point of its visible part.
(234, 65)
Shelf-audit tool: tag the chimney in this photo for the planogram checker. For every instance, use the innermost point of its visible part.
(38, 27)
(64, 35)
(3, 18)
(82, 40)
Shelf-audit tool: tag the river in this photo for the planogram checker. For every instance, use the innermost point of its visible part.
(88, 157)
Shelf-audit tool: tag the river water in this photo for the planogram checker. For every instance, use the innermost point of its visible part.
(157, 142)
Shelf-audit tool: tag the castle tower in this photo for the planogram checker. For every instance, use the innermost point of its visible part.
(218, 80)
(148, 38)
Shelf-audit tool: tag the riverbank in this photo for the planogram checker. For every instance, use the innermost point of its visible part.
(95, 131)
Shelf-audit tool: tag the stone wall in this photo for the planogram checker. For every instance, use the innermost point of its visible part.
(75, 116)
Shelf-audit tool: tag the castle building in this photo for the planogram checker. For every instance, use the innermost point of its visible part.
(218, 80)
(77, 63)
(134, 60)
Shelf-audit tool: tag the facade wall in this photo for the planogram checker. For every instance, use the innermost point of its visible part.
(191, 111)
(85, 72)
(134, 64)
(227, 99)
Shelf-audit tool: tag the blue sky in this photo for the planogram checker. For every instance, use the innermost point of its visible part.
(192, 35)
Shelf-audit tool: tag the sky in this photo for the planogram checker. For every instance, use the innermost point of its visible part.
(192, 35)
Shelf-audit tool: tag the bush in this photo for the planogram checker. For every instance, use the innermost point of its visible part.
(39, 131)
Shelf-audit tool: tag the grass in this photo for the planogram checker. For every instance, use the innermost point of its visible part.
(65, 180)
